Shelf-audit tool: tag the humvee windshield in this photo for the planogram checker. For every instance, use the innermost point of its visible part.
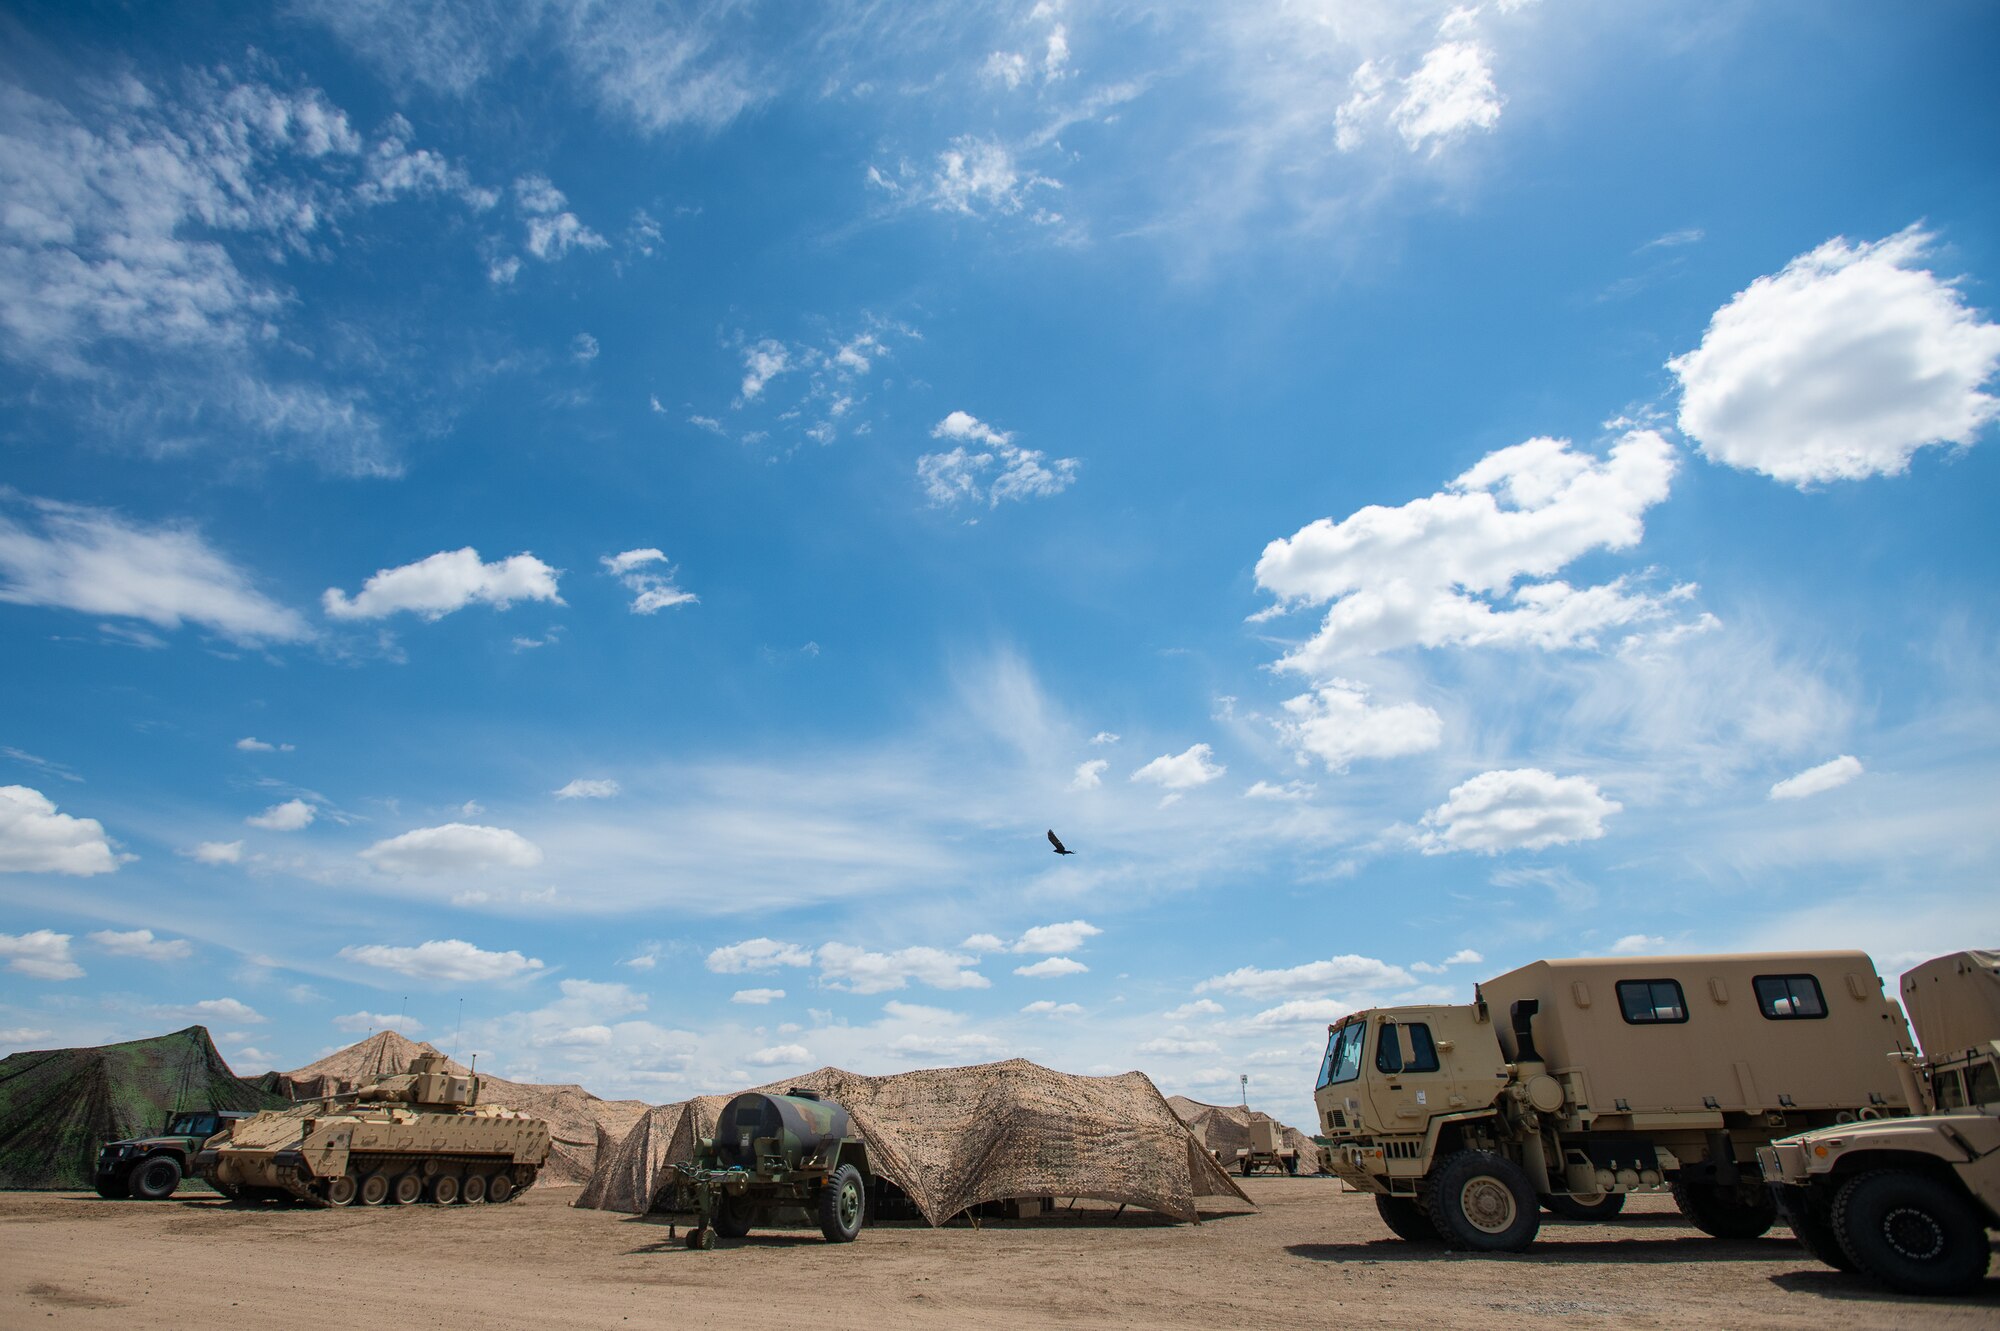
(193, 1125)
(1343, 1054)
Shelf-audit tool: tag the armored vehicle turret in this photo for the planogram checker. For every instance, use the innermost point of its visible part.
(420, 1135)
(772, 1151)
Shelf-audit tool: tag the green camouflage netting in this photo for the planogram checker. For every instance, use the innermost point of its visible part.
(57, 1106)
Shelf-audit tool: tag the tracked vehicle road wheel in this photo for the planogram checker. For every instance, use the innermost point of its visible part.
(1912, 1232)
(375, 1190)
(342, 1191)
(1726, 1213)
(475, 1189)
(500, 1187)
(406, 1189)
(843, 1205)
(155, 1178)
(1601, 1207)
(1406, 1220)
(1482, 1202)
(444, 1189)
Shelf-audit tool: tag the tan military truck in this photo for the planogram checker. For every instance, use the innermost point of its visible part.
(1572, 1084)
(1909, 1201)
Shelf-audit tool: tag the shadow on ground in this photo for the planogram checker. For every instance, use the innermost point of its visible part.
(1845, 1288)
(1692, 1247)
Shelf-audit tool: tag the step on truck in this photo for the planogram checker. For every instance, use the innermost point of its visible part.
(1908, 1202)
(1569, 1085)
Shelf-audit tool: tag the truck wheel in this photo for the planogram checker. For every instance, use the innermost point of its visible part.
(1725, 1213)
(1406, 1220)
(1248, 1166)
(114, 1187)
(843, 1204)
(732, 1218)
(1602, 1207)
(1912, 1232)
(1483, 1202)
(1808, 1211)
(156, 1178)
(1292, 1165)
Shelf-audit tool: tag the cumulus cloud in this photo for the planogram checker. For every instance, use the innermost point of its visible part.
(856, 970)
(1520, 809)
(450, 580)
(450, 960)
(377, 1021)
(652, 587)
(1291, 791)
(1090, 775)
(1104, 737)
(1840, 366)
(1200, 1007)
(291, 816)
(97, 562)
(984, 943)
(218, 852)
(1176, 1044)
(1451, 94)
(1051, 968)
(587, 788)
(757, 954)
(1302, 1011)
(141, 943)
(40, 955)
(763, 361)
(1344, 972)
(756, 997)
(1632, 945)
(1449, 570)
(988, 467)
(1194, 766)
(35, 838)
(552, 230)
(1816, 780)
(1337, 724)
(975, 175)
(1066, 937)
(453, 848)
(782, 1055)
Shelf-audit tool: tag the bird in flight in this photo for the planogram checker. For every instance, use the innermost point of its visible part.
(1056, 841)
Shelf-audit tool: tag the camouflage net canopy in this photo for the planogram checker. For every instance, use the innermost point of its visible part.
(1225, 1130)
(952, 1138)
(576, 1118)
(57, 1106)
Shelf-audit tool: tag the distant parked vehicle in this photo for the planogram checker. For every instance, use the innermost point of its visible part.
(150, 1168)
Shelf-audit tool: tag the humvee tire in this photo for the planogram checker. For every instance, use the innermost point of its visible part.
(1911, 1232)
(113, 1187)
(1406, 1220)
(842, 1205)
(1575, 1208)
(1482, 1202)
(1722, 1213)
(733, 1219)
(1809, 1213)
(155, 1178)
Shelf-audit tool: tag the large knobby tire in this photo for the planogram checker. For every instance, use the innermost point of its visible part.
(155, 1178)
(843, 1205)
(1809, 1213)
(733, 1217)
(1482, 1202)
(1911, 1232)
(1602, 1207)
(1406, 1220)
(1726, 1213)
(113, 1187)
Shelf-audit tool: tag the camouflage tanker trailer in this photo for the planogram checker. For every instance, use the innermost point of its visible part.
(418, 1136)
(771, 1152)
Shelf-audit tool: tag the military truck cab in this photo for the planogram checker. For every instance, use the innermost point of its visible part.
(1568, 1085)
(150, 1168)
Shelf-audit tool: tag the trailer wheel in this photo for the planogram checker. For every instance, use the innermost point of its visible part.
(843, 1204)
(1406, 1220)
(1483, 1202)
(156, 1178)
(1725, 1213)
(1604, 1206)
(732, 1218)
(1249, 1166)
(1911, 1232)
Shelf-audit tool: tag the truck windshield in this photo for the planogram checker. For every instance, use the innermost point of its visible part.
(191, 1125)
(1343, 1054)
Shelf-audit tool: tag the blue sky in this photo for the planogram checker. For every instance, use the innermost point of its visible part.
(610, 534)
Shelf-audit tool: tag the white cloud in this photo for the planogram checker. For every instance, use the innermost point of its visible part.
(1051, 968)
(218, 852)
(34, 838)
(1314, 977)
(251, 744)
(1200, 1007)
(40, 955)
(552, 230)
(1443, 570)
(1634, 944)
(450, 580)
(1104, 737)
(583, 347)
(992, 469)
(1057, 937)
(652, 589)
(213, 1010)
(358, 1022)
(1174, 1044)
(1044, 1007)
(843, 966)
(1450, 94)
(1337, 724)
(141, 943)
(20, 1036)
(1840, 367)
(291, 816)
(1520, 809)
(588, 788)
(757, 954)
(984, 943)
(1195, 766)
(453, 848)
(959, 1045)
(1816, 780)
(1090, 775)
(756, 997)
(449, 960)
(976, 174)
(1290, 792)
(94, 561)
(782, 1055)
(1465, 956)
(763, 361)
(1302, 1011)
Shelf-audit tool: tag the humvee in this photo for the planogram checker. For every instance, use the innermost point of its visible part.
(150, 1168)
(1572, 1084)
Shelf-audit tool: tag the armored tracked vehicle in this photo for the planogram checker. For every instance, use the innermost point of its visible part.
(1571, 1084)
(773, 1151)
(1907, 1202)
(417, 1136)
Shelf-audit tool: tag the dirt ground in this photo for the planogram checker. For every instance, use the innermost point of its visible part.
(1309, 1256)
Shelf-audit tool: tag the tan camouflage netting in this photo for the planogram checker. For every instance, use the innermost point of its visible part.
(954, 1137)
(1225, 1130)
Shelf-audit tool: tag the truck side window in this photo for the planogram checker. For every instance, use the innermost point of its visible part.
(1651, 1002)
(1423, 1055)
(1948, 1089)
(1982, 1084)
(1783, 997)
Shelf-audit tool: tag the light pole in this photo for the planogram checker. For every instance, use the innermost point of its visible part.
(1244, 1078)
